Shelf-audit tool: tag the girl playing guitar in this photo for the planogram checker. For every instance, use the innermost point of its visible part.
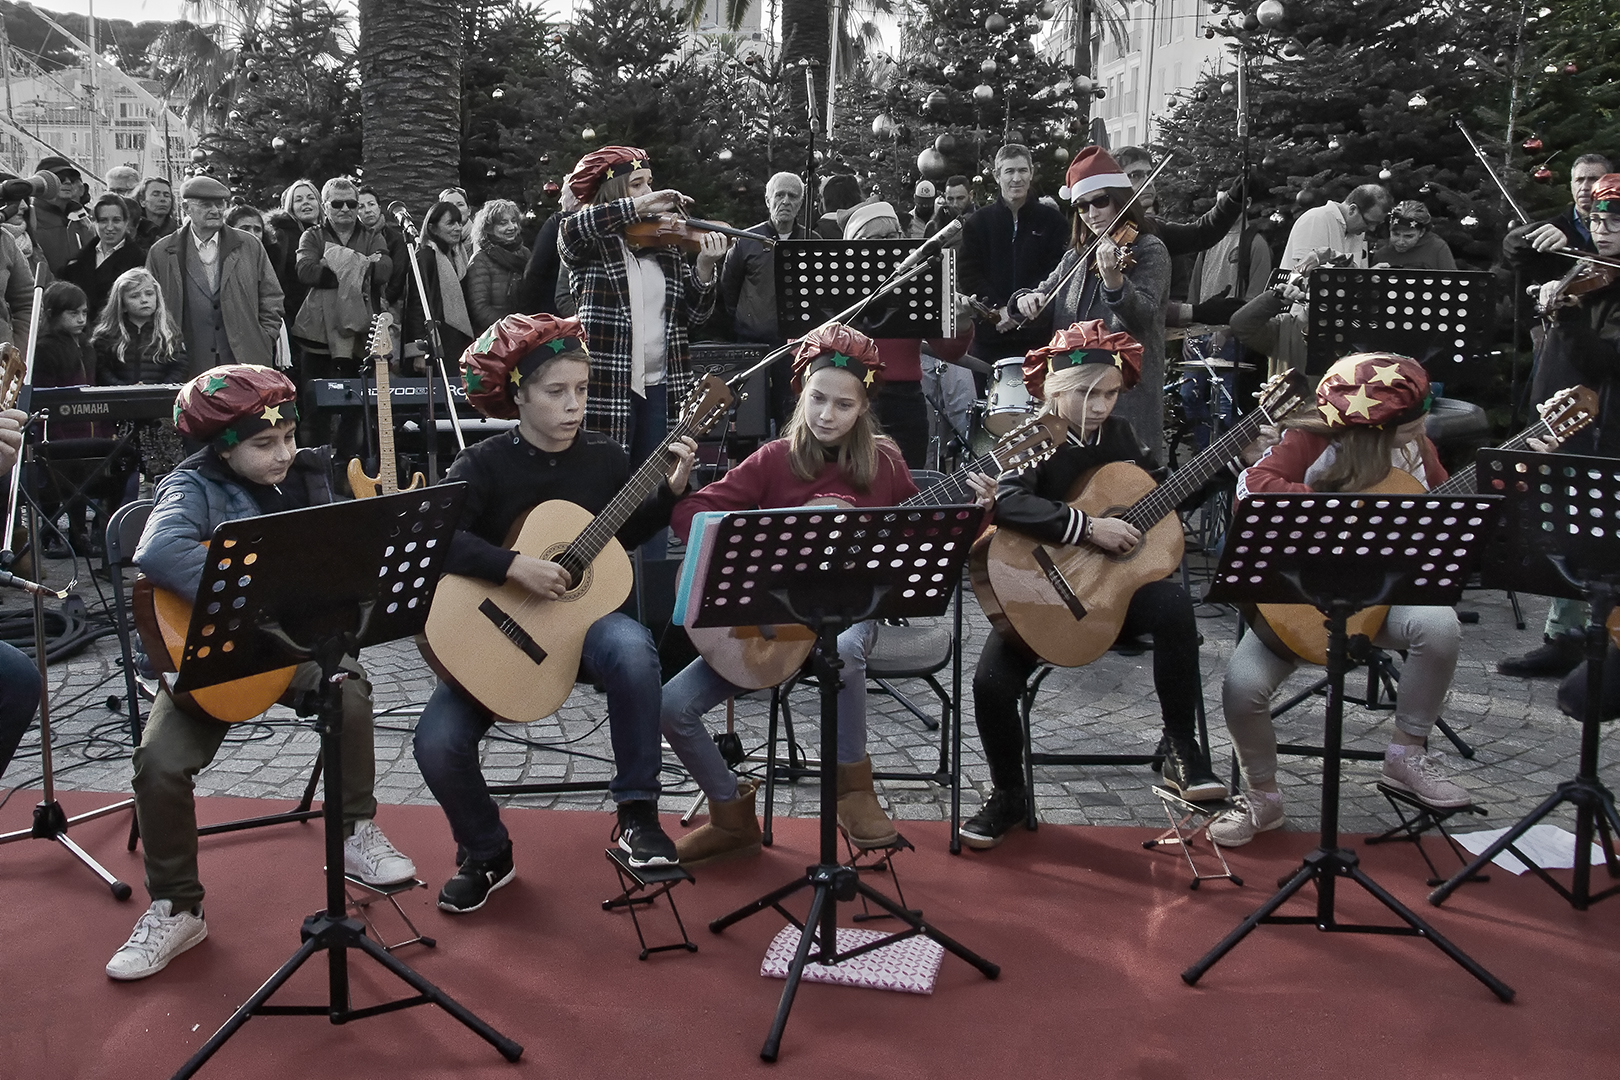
(1080, 375)
(831, 451)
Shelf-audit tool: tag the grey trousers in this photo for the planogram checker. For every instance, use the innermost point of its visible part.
(1431, 637)
(177, 746)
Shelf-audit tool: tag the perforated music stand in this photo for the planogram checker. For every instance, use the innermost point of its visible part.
(1560, 536)
(1341, 553)
(817, 279)
(318, 585)
(1441, 318)
(828, 569)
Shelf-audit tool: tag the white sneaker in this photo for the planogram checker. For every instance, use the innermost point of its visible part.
(159, 936)
(1420, 773)
(370, 857)
(1252, 814)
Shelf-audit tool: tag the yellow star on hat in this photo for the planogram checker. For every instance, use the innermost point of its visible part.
(1361, 403)
(1385, 374)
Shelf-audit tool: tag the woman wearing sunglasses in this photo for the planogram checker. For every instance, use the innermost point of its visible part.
(1123, 284)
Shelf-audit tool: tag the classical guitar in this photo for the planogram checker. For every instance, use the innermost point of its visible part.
(1066, 603)
(517, 654)
(386, 482)
(1300, 630)
(758, 657)
(162, 619)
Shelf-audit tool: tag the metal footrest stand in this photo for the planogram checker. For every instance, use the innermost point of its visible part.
(1181, 814)
(361, 906)
(878, 860)
(661, 879)
(1423, 818)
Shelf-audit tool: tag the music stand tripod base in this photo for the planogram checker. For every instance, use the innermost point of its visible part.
(1341, 553)
(317, 585)
(830, 569)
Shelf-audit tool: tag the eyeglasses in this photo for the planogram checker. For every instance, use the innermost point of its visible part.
(1606, 223)
(343, 204)
(1101, 202)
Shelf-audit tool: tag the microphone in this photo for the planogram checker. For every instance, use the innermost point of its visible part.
(931, 247)
(399, 210)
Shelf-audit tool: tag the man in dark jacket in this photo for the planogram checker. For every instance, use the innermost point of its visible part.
(1009, 245)
(748, 281)
(61, 227)
(1530, 248)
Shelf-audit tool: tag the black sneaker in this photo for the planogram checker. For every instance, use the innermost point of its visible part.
(476, 879)
(641, 837)
(1555, 658)
(1004, 811)
(1186, 771)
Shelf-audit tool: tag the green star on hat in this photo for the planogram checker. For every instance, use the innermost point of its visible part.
(214, 384)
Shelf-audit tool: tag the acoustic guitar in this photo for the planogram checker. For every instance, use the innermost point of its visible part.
(1066, 603)
(759, 657)
(1299, 630)
(517, 654)
(162, 619)
(386, 482)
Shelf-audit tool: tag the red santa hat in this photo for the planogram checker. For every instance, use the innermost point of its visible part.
(1092, 169)
(1083, 343)
(1376, 389)
(511, 350)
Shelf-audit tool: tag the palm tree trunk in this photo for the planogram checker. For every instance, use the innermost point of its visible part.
(410, 92)
(806, 31)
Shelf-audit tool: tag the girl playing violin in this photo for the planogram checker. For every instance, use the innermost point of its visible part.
(832, 448)
(1126, 289)
(636, 306)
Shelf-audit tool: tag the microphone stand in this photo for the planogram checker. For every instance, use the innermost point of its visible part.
(415, 241)
(811, 194)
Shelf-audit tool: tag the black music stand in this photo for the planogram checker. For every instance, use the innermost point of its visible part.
(818, 279)
(317, 585)
(829, 569)
(1341, 553)
(1558, 539)
(1441, 318)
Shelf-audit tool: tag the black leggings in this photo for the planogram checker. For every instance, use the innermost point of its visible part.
(1159, 608)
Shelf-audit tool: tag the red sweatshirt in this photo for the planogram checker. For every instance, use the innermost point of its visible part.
(766, 480)
(1284, 466)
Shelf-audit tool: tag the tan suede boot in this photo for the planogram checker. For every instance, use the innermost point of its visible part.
(859, 814)
(731, 832)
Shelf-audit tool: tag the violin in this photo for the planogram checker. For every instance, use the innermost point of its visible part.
(1123, 236)
(684, 233)
(1587, 275)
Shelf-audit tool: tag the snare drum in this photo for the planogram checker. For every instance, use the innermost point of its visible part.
(1009, 403)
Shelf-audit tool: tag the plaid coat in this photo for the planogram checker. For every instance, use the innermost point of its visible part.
(593, 252)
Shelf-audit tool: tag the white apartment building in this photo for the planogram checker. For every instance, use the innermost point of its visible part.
(52, 114)
(1165, 52)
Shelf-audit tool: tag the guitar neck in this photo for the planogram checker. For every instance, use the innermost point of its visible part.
(589, 544)
(1159, 502)
(954, 489)
(1464, 482)
(387, 467)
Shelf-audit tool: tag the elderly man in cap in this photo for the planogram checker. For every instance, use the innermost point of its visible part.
(61, 227)
(218, 282)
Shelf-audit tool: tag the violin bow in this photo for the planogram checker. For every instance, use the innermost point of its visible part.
(1085, 256)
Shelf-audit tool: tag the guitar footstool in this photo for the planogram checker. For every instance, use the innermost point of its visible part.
(1188, 819)
(636, 879)
(361, 906)
(1424, 818)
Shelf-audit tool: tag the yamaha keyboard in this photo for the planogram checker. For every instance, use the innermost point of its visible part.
(140, 401)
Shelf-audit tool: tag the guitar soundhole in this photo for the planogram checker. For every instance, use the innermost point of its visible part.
(582, 577)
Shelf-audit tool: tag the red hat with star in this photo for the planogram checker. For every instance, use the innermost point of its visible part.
(1083, 343)
(1092, 169)
(512, 350)
(1606, 196)
(1376, 389)
(226, 405)
(604, 164)
(839, 346)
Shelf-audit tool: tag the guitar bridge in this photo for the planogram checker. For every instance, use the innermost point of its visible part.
(1059, 583)
(513, 631)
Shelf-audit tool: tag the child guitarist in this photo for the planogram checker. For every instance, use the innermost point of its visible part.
(536, 369)
(1080, 375)
(250, 465)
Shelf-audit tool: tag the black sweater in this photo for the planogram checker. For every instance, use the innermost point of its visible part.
(506, 477)
(1035, 501)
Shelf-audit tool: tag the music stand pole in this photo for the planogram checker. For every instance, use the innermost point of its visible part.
(1587, 567)
(50, 821)
(855, 571)
(324, 582)
(1341, 553)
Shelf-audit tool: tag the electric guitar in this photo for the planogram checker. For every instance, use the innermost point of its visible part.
(1066, 603)
(1299, 629)
(386, 482)
(758, 657)
(517, 654)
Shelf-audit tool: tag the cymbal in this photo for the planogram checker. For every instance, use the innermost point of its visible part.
(1205, 365)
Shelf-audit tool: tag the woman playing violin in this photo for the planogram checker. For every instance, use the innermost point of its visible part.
(636, 305)
(1124, 283)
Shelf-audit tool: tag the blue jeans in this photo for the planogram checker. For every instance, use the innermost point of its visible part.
(649, 427)
(699, 688)
(19, 700)
(619, 655)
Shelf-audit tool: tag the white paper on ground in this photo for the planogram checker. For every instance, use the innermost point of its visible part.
(1549, 846)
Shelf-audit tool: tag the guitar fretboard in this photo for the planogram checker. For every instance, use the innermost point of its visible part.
(954, 488)
(1464, 483)
(1152, 507)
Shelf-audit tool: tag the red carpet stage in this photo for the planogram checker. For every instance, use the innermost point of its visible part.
(1090, 930)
